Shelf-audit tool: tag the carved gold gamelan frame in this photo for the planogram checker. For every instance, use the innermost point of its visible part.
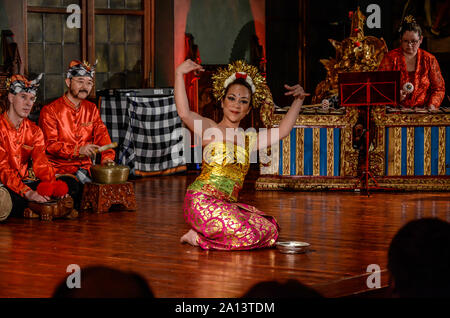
(382, 120)
(348, 155)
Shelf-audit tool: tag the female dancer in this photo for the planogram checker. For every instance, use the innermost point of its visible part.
(210, 206)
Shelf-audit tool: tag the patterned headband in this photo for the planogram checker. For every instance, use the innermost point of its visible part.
(81, 69)
(19, 83)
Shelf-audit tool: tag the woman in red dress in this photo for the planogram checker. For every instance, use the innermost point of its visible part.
(417, 67)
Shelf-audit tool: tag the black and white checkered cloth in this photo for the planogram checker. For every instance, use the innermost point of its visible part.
(147, 129)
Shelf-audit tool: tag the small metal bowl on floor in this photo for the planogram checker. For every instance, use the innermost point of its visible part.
(292, 247)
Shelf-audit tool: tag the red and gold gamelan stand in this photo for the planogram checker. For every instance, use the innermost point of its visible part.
(407, 151)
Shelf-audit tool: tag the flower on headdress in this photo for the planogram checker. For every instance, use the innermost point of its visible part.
(409, 19)
(242, 75)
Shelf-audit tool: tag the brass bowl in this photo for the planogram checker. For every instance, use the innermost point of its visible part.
(110, 173)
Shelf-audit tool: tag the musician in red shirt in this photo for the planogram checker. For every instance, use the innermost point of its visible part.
(73, 129)
(422, 84)
(21, 141)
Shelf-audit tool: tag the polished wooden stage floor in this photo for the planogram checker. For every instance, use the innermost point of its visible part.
(347, 231)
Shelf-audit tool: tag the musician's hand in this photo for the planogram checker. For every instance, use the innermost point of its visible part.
(403, 94)
(88, 150)
(187, 67)
(34, 196)
(433, 108)
(297, 91)
(106, 161)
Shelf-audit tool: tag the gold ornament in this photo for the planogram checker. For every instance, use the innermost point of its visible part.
(223, 74)
(410, 19)
(8, 83)
(357, 53)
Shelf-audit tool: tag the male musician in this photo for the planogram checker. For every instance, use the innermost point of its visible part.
(21, 141)
(73, 129)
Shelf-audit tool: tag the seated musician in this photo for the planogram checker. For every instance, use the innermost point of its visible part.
(20, 141)
(417, 67)
(74, 131)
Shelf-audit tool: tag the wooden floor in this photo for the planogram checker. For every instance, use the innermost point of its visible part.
(347, 231)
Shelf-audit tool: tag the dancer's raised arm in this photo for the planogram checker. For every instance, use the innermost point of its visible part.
(181, 100)
(270, 136)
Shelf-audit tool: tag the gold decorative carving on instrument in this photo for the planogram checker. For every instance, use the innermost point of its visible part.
(287, 155)
(304, 183)
(267, 109)
(324, 183)
(417, 183)
(316, 151)
(350, 118)
(410, 151)
(427, 151)
(376, 166)
(397, 151)
(380, 118)
(376, 163)
(299, 151)
(441, 155)
(330, 151)
(357, 53)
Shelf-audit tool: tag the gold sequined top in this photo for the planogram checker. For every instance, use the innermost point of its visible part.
(224, 168)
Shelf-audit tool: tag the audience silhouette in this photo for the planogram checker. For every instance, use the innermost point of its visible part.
(105, 282)
(289, 289)
(419, 259)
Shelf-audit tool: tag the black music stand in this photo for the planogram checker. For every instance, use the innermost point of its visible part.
(369, 89)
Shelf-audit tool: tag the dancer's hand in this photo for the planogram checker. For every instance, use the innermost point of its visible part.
(188, 66)
(297, 91)
(34, 196)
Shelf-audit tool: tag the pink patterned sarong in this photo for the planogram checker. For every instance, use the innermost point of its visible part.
(223, 225)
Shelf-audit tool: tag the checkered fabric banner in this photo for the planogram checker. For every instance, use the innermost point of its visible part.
(147, 129)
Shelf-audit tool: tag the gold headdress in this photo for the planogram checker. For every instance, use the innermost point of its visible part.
(240, 69)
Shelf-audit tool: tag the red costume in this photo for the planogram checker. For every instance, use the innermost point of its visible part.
(67, 128)
(17, 146)
(429, 85)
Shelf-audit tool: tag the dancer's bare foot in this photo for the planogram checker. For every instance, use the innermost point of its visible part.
(190, 237)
